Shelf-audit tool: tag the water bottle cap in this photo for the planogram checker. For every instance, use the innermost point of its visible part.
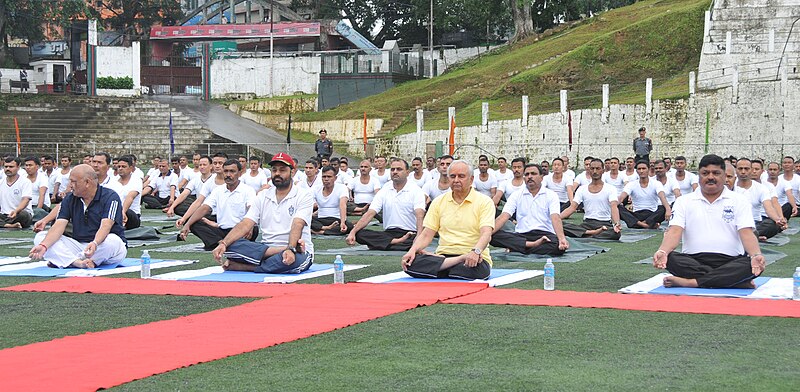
(145, 252)
(797, 269)
(338, 256)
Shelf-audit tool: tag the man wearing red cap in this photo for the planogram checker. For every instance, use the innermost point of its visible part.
(283, 214)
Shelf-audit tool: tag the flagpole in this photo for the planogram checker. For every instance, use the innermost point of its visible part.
(171, 138)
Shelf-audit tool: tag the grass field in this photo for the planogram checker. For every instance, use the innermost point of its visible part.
(454, 347)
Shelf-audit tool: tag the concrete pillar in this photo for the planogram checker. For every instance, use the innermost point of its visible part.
(451, 113)
(771, 40)
(485, 115)
(707, 26)
(735, 84)
(728, 42)
(692, 82)
(231, 7)
(247, 12)
(784, 75)
(648, 96)
(604, 112)
(524, 110)
(605, 96)
(136, 65)
(420, 125)
(564, 103)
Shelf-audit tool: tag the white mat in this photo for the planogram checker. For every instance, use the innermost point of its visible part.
(14, 260)
(402, 277)
(773, 288)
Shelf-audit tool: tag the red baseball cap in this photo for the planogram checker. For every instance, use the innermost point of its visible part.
(284, 158)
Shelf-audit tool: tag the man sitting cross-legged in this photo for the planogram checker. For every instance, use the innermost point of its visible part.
(403, 206)
(15, 196)
(231, 203)
(599, 198)
(160, 191)
(283, 214)
(97, 233)
(715, 226)
(538, 213)
(645, 195)
(769, 221)
(464, 219)
(331, 202)
(364, 188)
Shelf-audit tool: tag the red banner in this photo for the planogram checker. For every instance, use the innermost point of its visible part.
(233, 31)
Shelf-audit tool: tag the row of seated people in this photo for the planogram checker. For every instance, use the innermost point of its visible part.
(536, 209)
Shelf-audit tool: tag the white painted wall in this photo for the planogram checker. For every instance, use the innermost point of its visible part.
(252, 75)
(762, 124)
(449, 57)
(120, 61)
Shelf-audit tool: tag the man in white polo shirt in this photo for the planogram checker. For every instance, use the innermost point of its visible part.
(40, 196)
(599, 198)
(231, 203)
(538, 213)
(403, 207)
(645, 195)
(283, 214)
(485, 181)
(783, 190)
(161, 190)
(15, 197)
(716, 228)
(130, 193)
(331, 200)
(364, 188)
(768, 221)
(687, 181)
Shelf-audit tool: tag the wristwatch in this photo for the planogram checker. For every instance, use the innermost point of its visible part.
(477, 251)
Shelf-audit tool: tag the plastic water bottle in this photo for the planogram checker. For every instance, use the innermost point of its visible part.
(549, 275)
(145, 272)
(796, 285)
(338, 270)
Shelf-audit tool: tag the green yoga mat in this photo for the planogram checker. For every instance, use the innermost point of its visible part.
(577, 251)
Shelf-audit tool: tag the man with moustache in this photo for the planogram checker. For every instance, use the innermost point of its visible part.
(646, 195)
(464, 220)
(283, 215)
(539, 228)
(331, 201)
(715, 226)
(15, 196)
(403, 207)
(599, 198)
(231, 203)
(783, 190)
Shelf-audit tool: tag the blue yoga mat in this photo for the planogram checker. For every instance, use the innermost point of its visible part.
(252, 277)
(700, 291)
(55, 272)
(496, 273)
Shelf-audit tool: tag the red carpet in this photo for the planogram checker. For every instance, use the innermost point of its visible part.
(648, 302)
(109, 358)
(158, 287)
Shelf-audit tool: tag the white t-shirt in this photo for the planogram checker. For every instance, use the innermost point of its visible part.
(51, 181)
(419, 182)
(328, 206)
(343, 178)
(780, 189)
(756, 195)
(382, 179)
(364, 193)
(618, 183)
(134, 184)
(138, 173)
(560, 187)
(41, 181)
(187, 174)
(795, 184)
(11, 195)
(503, 177)
(533, 211)
(631, 177)
(484, 187)
(712, 227)
(152, 173)
(644, 198)
(431, 189)
(231, 206)
(316, 184)
(582, 180)
(62, 179)
(162, 184)
(399, 207)
(256, 182)
(275, 219)
(669, 188)
(596, 205)
(689, 179)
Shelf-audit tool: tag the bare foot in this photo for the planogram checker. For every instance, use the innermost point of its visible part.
(657, 226)
(330, 226)
(762, 238)
(676, 281)
(539, 242)
(234, 266)
(642, 225)
(595, 232)
(13, 225)
(405, 237)
(85, 263)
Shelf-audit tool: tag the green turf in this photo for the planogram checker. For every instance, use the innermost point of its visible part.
(480, 348)
(588, 349)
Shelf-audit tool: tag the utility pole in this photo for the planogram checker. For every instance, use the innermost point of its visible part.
(271, 46)
(430, 39)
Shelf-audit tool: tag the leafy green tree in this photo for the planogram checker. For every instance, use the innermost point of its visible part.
(35, 20)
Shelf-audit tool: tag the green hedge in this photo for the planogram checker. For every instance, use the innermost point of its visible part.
(113, 83)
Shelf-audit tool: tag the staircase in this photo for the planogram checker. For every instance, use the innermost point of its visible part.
(118, 126)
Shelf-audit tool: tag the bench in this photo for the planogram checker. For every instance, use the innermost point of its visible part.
(19, 84)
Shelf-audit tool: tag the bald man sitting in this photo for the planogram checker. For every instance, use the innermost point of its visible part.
(98, 236)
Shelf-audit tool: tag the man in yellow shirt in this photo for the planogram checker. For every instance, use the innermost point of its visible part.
(464, 219)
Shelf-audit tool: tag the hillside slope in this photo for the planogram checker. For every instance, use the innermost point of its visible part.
(661, 39)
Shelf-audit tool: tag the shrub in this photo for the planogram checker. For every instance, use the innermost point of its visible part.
(113, 83)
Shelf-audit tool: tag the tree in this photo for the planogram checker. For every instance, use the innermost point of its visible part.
(523, 20)
(133, 18)
(36, 20)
